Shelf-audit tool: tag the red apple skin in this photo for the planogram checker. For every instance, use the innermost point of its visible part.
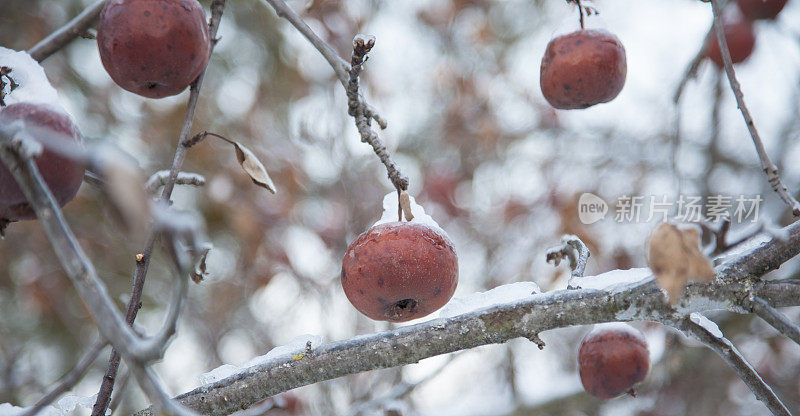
(761, 9)
(154, 48)
(400, 271)
(612, 361)
(741, 40)
(62, 176)
(583, 68)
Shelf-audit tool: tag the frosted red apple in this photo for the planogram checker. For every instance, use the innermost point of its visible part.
(741, 39)
(583, 68)
(154, 48)
(761, 9)
(400, 271)
(612, 359)
(62, 176)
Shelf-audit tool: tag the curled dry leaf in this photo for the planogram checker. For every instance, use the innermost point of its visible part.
(253, 167)
(200, 268)
(675, 258)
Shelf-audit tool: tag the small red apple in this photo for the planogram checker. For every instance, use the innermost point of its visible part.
(761, 9)
(400, 271)
(583, 68)
(63, 176)
(741, 40)
(154, 48)
(612, 359)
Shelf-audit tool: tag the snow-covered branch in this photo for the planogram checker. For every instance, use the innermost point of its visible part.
(637, 300)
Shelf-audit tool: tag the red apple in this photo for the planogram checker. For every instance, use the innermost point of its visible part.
(741, 40)
(400, 271)
(761, 9)
(63, 176)
(583, 68)
(612, 359)
(154, 48)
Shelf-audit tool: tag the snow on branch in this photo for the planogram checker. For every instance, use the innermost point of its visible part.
(639, 300)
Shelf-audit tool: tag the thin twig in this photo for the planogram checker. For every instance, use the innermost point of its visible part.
(734, 358)
(160, 178)
(570, 245)
(766, 163)
(339, 65)
(361, 47)
(142, 265)
(778, 320)
(65, 34)
(70, 379)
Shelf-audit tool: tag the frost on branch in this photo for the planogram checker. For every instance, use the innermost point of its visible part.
(498, 295)
(615, 279)
(296, 349)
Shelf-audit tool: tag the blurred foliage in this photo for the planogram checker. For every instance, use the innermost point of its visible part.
(498, 168)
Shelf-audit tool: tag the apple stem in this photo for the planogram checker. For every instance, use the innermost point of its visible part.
(580, 12)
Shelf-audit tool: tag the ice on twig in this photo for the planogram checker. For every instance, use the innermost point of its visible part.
(501, 294)
(706, 323)
(609, 280)
(295, 349)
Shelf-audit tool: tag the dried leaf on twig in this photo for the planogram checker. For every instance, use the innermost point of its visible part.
(200, 268)
(675, 258)
(253, 167)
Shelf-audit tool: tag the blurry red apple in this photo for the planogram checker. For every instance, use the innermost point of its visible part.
(63, 176)
(154, 48)
(400, 271)
(741, 40)
(761, 9)
(583, 68)
(612, 359)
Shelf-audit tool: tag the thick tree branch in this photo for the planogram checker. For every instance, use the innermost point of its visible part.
(143, 262)
(643, 300)
(70, 379)
(766, 163)
(64, 35)
(734, 358)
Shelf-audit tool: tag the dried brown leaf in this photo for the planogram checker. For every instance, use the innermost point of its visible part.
(675, 258)
(253, 167)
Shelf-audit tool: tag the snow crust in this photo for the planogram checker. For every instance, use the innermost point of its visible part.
(500, 294)
(612, 279)
(33, 84)
(68, 405)
(294, 349)
(706, 323)
(390, 212)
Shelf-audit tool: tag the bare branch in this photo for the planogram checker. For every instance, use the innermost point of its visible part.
(339, 65)
(361, 47)
(336, 62)
(734, 358)
(64, 35)
(143, 262)
(778, 320)
(70, 379)
(766, 163)
(160, 178)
